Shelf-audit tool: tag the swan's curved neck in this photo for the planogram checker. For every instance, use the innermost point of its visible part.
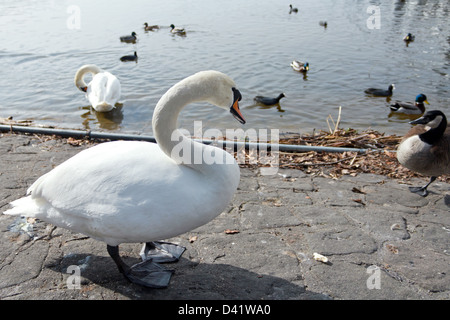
(171, 141)
(79, 76)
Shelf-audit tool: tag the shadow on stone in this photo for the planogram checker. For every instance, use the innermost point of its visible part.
(202, 281)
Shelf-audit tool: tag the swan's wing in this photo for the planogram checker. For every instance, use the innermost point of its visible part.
(113, 90)
(96, 92)
(104, 87)
(149, 198)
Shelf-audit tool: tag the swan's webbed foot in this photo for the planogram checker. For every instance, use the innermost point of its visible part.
(422, 191)
(146, 273)
(149, 274)
(161, 252)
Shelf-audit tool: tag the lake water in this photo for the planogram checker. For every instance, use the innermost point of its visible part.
(43, 43)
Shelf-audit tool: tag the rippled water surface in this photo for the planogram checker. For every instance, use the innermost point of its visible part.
(43, 43)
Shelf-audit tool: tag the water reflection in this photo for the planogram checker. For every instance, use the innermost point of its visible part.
(346, 58)
(261, 106)
(105, 120)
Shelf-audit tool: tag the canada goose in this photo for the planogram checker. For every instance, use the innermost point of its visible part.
(268, 101)
(417, 107)
(380, 92)
(133, 191)
(425, 149)
(103, 92)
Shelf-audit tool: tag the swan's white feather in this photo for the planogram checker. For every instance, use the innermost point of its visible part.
(103, 91)
(129, 191)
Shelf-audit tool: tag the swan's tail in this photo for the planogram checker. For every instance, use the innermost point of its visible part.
(23, 207)
(104, 106)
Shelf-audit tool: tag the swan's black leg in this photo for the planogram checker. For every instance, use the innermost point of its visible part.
(159, 251)
(422, 191)
(146, 273)
(114, 253)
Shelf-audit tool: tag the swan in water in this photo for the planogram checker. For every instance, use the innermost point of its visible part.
(134, 191)
(103, 91)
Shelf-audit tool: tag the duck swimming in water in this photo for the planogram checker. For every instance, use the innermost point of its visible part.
(380, 92)
(409, 37)
(130, 39)
(300, 66)
(425, 149)
(150, 28)
(135, 191)
(269, 101)
(179, 31)
(129, 57)
(292, 9)
(417, 107)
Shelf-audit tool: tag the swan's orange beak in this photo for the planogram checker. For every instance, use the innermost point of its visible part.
(235, 107)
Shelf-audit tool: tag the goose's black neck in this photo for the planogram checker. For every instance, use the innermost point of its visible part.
(433, 135)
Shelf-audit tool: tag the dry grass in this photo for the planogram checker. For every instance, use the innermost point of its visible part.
(381, 159)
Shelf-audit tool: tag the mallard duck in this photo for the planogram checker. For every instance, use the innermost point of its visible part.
(410, 108)
(103, 92)
(425, 149)
(179, 31)
(150, 28)
(131, 38)
(133, 57)
(292, 9)
(300, 66)
(268, 101)
(381, 92)
(409, 37)
(134, 191)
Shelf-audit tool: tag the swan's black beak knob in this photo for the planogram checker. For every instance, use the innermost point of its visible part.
(234, 109)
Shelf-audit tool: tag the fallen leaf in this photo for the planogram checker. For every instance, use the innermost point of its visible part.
(230, 231)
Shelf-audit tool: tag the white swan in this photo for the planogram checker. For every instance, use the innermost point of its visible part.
(103, 91)
(128, 191)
